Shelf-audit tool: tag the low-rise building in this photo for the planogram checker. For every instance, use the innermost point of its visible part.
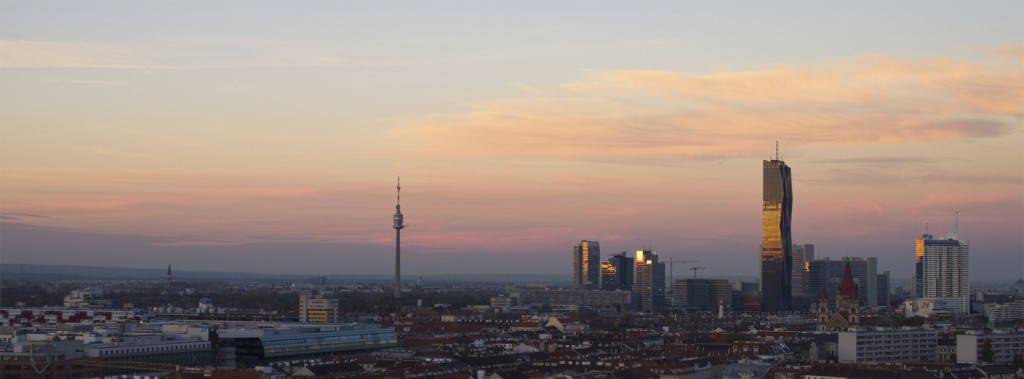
(317, 309)
(970, 347)
(610, 300)
(1005, 313)
(888, 345)
(44, 356)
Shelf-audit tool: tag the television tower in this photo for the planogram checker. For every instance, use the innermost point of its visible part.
(398, 218)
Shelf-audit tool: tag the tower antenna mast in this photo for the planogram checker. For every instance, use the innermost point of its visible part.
(776, 152)
(398, 225)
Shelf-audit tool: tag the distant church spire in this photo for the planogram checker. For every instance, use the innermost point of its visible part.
(169, 277)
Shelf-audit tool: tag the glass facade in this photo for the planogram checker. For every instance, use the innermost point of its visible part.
(617, 273)
(586, 265)
(776, 246)
(649, 282)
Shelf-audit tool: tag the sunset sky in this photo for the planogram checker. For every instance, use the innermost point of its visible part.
(266, 136)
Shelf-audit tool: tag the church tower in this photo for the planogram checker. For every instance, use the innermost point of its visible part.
(848, 299)
(847, 314)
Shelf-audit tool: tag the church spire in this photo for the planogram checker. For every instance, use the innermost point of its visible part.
(847, 288)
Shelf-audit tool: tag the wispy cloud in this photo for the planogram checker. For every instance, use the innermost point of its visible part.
(18, 216)
(190, 53)
(621, 115)
(32, 54)
(78, 81)
(107, 152)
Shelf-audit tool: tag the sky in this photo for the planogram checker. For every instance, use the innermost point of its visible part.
(264, 136)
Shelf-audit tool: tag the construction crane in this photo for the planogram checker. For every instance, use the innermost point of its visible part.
(671, 271)
(694, 269)
(177, 370)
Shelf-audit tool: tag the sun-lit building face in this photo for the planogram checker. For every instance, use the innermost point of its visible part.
(776, 245)
(639, 255)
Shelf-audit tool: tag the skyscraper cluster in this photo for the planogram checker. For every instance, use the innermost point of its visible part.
(641, 274)
(790, 274)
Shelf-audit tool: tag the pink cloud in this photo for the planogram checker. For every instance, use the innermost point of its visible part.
(855, 101)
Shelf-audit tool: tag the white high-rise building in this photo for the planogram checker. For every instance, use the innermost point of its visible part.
(942, 271)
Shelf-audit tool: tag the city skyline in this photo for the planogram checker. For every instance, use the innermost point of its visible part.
(268, 139)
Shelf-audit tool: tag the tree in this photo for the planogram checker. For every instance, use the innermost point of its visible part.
(986, 351)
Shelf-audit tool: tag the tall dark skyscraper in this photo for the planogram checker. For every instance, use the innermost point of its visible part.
(617, 272)
(398, 218)
(586, 265)
(776, 245)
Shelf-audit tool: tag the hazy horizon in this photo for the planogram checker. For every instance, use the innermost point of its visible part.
(268, 136)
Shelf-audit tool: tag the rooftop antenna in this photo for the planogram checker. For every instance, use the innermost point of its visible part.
(955, 233)
(776, 155)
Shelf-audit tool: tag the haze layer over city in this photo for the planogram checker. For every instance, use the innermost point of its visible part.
(267, 137)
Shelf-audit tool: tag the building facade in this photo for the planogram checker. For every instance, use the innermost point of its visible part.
(616, 301)
(701, 294)
(586, 265)
(942, 271)
(317, 309)
(888, 346)
(617, 272)
(776, 244)
(802, 293)
(970, 347)
(1005, 313)
(649, 285)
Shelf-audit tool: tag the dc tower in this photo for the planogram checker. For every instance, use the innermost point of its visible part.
(398, 218)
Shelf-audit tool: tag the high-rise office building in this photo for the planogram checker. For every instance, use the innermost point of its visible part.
(617, 272)
(701, 294)
(801, 292)
(883, 298)
(649, 282)
(776, 245)
(608, 274)
(586, 265)
(941, 270)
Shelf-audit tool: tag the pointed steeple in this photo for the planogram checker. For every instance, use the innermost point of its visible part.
(824, 293)
(847, 288)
